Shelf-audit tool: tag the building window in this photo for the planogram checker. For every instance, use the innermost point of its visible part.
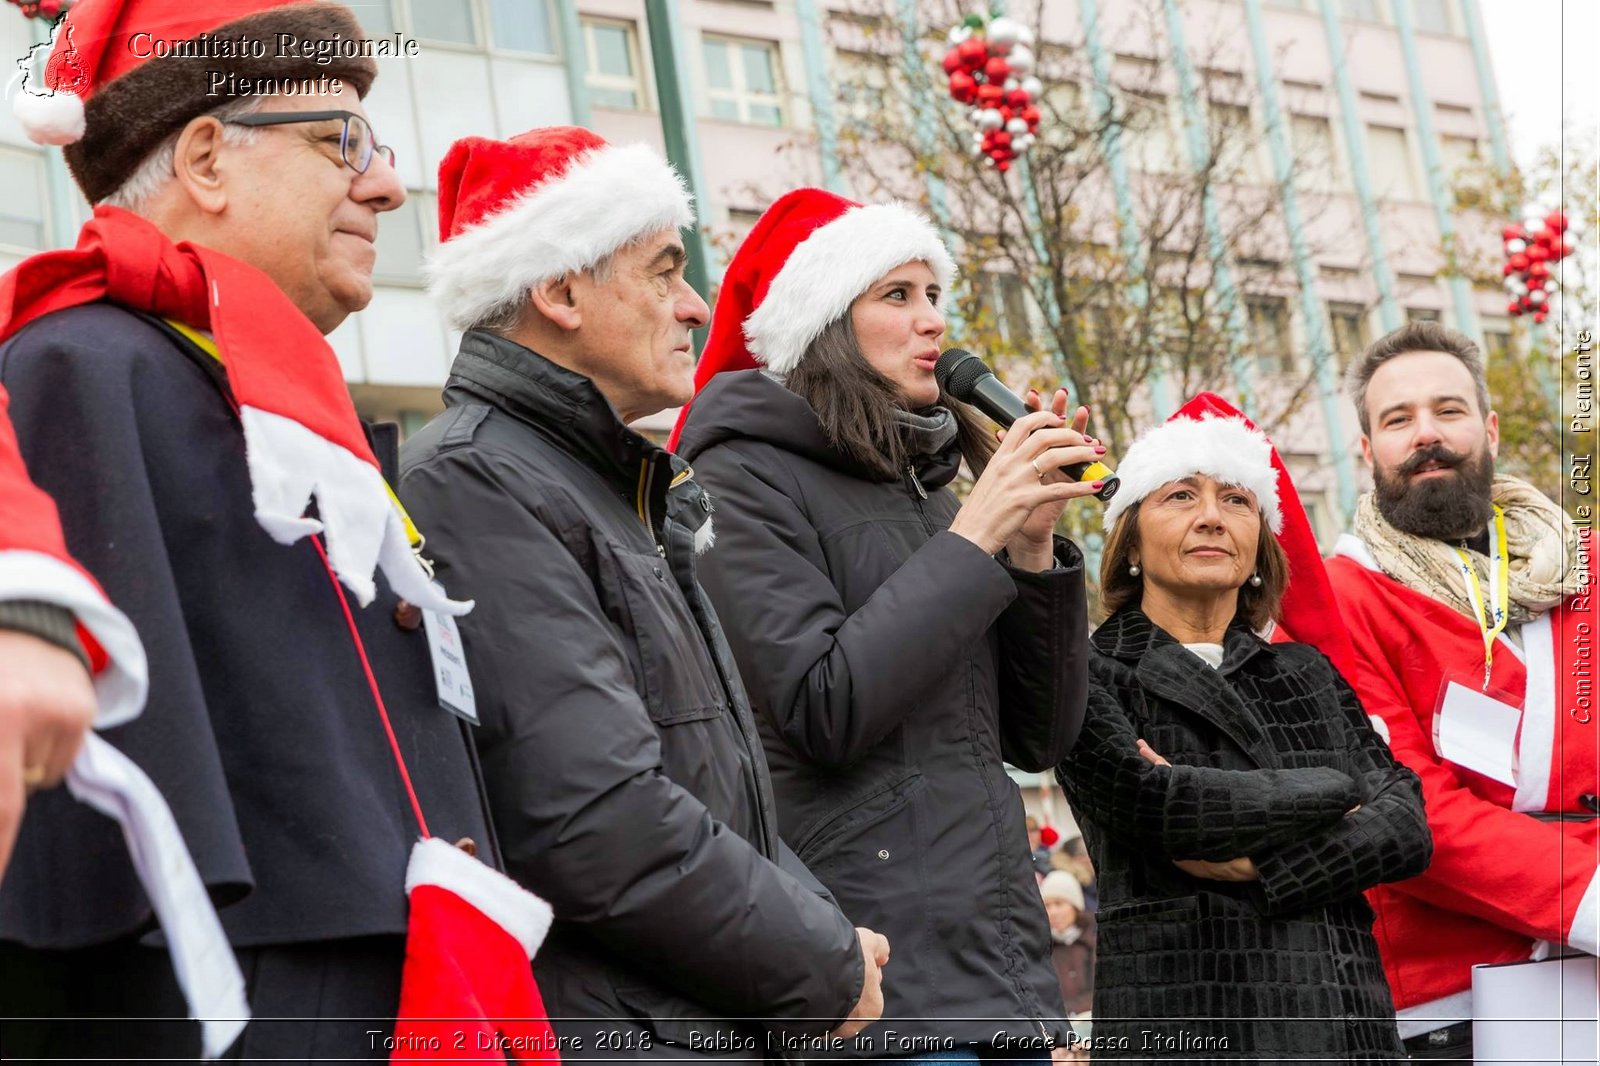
(376, 16)
(522, 26)
(1269, 333)
(1365, 10)
(448, 21)
(1316, 168)
(1433, 16)
(1350, 337)
(1392, 171)
(401, 244)
(743, 80)
(1422, 314)
(611, 54)
(1010, 301)
(1147, 123)
(23, 211)
(1236, 144)
(1496, 339)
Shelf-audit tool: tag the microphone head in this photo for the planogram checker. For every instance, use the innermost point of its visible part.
(957, 371)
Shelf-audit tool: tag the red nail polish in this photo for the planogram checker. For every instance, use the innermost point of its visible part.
(1099, 451)
(1097, 485)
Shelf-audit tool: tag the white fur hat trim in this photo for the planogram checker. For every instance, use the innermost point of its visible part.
(1221, 448)
(607, 199)
(830, 268)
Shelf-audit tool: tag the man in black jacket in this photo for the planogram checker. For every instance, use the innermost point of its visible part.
(625, 775)
(172, 390)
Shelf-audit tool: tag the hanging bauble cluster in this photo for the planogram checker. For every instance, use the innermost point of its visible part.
(1533, 247)
(42, 9)
(990, 65)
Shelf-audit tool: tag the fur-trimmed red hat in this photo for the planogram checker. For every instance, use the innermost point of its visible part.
(125, 74)
(798, 271)
(549, 202)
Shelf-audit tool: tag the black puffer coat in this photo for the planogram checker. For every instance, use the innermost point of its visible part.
(623, 767)
(894, 667)
(1268, 755)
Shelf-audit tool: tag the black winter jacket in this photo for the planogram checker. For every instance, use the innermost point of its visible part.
(623, 769)
(1268, 755)
(895, 668)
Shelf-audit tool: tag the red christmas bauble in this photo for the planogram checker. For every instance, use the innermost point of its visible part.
(952, 61)
(989, 95)
(1002, 165)
(1540, 315)
(1514, 307)
(1508, 270)
(974, 53)
(1556, 221)
(963, 87)
(1538, 253)
(1520, 261)
(1002, 138)
(1563, 251)
(1538, 272)
(997, 70)
(1030, 115)
(1018, 98)
(1513, 232)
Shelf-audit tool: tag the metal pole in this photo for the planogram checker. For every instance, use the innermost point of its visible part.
(1438, 192)
(1127, 226)
(1305, 270)
(820, 95)
(576, 65)
(678, 130)
(1221, 270)
(1355, 142)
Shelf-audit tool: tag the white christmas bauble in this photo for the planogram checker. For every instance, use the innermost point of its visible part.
(1515, 245)
(1024, 142)
(1003, 33)
(1033, 87)
(958, 34)
(1516, 286)
(1533, 224)
(1011, 83)
(1536, 296)
(1021, 59)
(989, 119)
(1017, 127)
(1024, 34)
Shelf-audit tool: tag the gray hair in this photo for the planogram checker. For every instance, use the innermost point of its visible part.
(504, 317)
(1422, 336)
(159, 167)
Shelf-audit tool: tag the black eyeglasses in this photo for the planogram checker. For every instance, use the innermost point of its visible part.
(357, 143)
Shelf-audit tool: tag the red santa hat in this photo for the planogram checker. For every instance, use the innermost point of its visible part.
(1209, 436)
(546, 203)
(800, 268)
(468, 990)
(121, 75)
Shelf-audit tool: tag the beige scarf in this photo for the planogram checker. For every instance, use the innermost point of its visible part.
(1541, 539)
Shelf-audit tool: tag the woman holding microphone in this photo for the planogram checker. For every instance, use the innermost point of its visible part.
(899, 645)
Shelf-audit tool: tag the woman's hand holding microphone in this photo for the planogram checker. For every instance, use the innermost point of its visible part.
(1016, 502)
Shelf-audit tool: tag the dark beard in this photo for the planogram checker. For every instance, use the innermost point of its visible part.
(1443, 508)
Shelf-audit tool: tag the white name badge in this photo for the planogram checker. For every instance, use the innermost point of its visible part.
(1477, 731)
(450, 666)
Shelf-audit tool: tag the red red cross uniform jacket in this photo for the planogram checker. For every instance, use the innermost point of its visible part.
(1501, 879)
(34, 565)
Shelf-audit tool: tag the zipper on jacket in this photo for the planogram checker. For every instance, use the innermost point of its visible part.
(918, 496)
(915, 483)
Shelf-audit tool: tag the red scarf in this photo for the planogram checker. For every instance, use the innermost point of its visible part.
(302, 436)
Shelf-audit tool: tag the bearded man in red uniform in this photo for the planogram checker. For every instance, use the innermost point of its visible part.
(1466, 594)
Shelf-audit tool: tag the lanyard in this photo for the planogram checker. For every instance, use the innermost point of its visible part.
(1500, 586)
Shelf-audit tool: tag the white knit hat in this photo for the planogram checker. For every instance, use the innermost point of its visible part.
(1226, 449)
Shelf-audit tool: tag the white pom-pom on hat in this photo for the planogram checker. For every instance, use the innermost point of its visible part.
(56, 119)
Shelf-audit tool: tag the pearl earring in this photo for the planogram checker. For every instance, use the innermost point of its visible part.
(1133, 571)
(1255, 581)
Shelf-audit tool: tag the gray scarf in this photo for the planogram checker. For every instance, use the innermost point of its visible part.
(927, 434)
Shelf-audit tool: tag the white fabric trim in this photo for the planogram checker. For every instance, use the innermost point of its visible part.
(826, 272)
(608, 198)
(289, 464)
(1585, 931)
(1352, 547)
(1536, 742)
(519, 912)
(1221, 448)
(121, 687)
(704, 537)
(1435, 1014)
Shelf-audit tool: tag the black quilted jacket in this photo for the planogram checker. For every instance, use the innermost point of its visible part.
(1269, 754)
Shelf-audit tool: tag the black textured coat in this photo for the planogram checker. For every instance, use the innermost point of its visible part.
(895, 668)
(624, 772)
(1268, 755)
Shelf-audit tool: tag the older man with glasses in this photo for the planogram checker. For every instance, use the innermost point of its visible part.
(173, 390)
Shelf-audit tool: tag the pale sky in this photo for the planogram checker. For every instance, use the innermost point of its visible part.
(1536, 91)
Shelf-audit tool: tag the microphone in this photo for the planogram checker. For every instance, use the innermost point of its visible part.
(964, 376)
